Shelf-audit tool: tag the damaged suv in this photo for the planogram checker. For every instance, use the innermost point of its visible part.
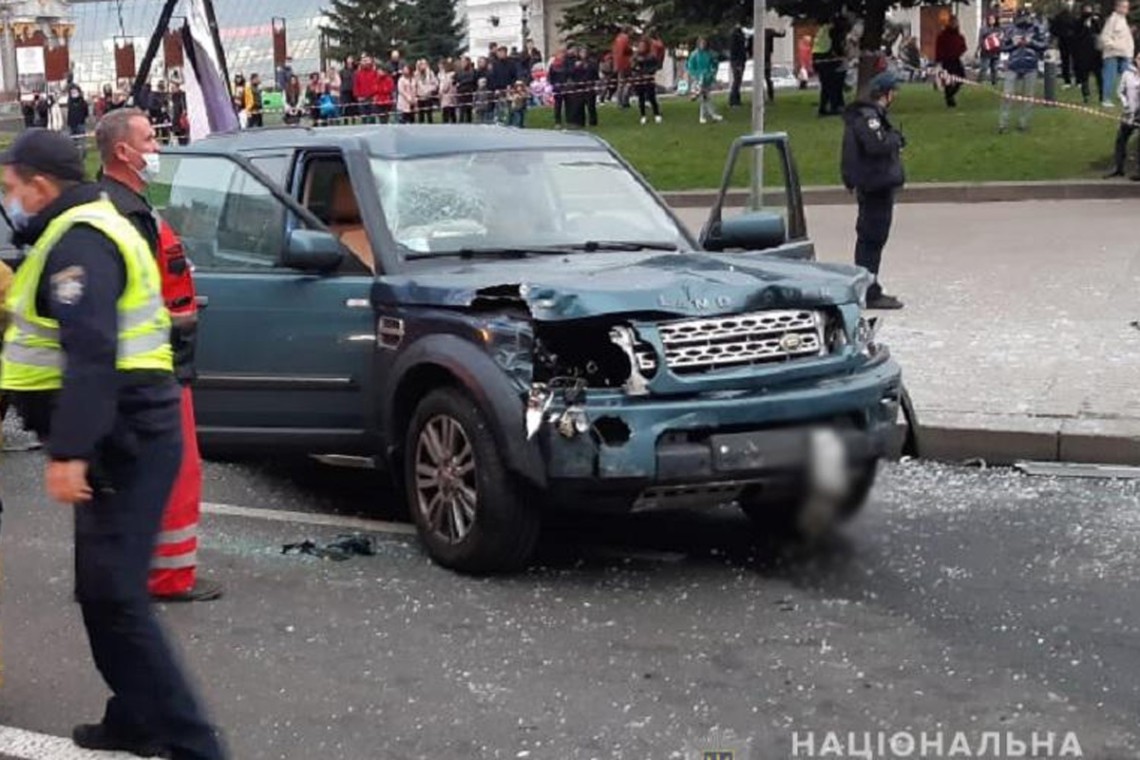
(512, 320)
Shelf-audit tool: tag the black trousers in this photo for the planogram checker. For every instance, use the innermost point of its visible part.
(872, 229)
(1121, 152)
(559, 105)
(1082, 70)
(647, 94)
(954, 68)
(737, 79)
(115, 537)
(831, 81)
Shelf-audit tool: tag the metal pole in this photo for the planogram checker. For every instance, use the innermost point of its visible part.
(759, 11)
(143, 72)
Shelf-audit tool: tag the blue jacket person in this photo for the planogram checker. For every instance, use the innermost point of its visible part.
(872, 167)
(88, 361)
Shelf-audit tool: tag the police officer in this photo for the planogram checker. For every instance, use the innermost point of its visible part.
(88, 361)
(129, 150)
(872, 167)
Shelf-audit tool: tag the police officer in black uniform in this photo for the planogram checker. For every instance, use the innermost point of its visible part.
(872, 167)
(88, 362)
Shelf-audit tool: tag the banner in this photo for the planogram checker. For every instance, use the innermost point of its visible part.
(30, 69)
(209, 107)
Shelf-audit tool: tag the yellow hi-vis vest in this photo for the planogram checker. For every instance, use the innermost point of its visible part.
(33, 359)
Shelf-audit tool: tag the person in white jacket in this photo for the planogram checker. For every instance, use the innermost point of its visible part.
(1129, 92)
(1118, 49)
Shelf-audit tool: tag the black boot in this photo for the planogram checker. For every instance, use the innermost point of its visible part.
(95, 736)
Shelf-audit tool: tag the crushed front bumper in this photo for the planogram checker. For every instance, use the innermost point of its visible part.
(612, 442)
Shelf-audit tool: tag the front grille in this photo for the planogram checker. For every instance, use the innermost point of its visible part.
(761, 337)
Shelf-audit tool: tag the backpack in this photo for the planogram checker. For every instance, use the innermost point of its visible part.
(992, 42)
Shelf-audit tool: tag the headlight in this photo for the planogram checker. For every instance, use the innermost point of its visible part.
(865, 333)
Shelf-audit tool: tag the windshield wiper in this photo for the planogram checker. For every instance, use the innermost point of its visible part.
(625, 245)
(522, 252)
(496, 252)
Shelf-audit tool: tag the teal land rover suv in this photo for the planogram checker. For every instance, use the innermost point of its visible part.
(511, 321)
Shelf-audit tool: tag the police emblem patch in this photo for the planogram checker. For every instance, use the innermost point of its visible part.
(874, 122)
(67, 285)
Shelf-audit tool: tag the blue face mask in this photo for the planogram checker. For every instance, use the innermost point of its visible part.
(16, 214)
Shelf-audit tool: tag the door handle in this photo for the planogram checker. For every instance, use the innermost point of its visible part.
(202, 301)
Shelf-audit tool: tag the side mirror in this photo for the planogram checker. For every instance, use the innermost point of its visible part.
(752, 231)
(312, 251)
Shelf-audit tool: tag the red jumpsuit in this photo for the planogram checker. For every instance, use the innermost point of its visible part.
(173, 570)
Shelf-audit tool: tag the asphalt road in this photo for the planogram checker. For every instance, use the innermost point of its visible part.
(960, 600)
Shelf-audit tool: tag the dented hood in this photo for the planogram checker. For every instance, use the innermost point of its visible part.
(593, 284)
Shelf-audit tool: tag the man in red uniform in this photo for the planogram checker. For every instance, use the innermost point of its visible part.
(129, 153)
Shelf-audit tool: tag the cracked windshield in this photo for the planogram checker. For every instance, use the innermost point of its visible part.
(519, 199)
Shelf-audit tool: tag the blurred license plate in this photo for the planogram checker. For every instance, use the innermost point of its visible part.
(771, 449)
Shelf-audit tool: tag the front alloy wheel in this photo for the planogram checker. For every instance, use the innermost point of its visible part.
(447, 495)
(471, 512)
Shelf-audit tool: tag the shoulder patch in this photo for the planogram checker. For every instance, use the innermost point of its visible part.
(67, 285)
(874, 122)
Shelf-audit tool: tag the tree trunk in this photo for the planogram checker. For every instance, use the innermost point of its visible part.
(871, 43)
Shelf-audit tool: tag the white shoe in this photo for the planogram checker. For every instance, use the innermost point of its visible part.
(657, 119)
(704, 120)
(1107, 104)
(643, 121)
(717, 117)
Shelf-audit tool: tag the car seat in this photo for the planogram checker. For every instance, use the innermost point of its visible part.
(345, 221)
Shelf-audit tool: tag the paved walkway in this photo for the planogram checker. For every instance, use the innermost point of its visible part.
(1018, 317)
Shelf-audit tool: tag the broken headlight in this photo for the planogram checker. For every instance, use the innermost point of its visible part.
(865, 333)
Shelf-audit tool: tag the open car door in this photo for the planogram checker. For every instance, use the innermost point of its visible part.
(773, 220)
(285, 330)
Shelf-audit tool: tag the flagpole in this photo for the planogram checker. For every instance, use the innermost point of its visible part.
(143, 72)
(213, 21)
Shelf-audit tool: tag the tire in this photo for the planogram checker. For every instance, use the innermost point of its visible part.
(779, 511)
(473, 516)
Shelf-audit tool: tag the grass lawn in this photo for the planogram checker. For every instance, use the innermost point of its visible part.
(943, 145)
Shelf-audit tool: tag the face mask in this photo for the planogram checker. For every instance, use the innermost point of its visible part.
(149, 172)
(16, 214)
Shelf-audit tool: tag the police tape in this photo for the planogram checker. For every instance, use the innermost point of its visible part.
(945, 78)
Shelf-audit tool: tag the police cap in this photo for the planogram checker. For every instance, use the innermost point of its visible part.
(47, 152)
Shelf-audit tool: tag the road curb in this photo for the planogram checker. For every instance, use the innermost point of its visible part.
(1005, 439)
(934, 192)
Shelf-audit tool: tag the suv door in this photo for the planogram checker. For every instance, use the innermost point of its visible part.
(283, 355)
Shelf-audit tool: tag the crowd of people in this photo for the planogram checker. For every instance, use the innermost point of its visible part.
(495, 88)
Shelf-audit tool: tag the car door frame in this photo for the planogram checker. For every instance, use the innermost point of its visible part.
(237, 438)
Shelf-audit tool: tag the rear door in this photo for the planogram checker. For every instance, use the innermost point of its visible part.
(283, 356)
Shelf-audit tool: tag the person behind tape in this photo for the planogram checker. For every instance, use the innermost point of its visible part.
(1129, 92)
(88, 362)
(871, 165)
(1025, 42)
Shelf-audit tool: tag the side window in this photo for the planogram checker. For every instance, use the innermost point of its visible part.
(227, 219)
(275, 166)
(327, 191)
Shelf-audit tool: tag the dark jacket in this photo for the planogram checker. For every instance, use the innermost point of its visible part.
(466, 81)
(1086, 56)
(502, 74)
(348, 84)
(871, 159)
(140, 214)
(98, 406)
(77, 112)
(1023, 59)
(738, 51)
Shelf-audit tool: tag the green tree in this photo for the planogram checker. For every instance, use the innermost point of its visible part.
(595, 22)
(364, 26)
(432, 29)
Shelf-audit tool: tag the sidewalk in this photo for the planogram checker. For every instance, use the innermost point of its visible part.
(938, 192)
(1016, 341)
